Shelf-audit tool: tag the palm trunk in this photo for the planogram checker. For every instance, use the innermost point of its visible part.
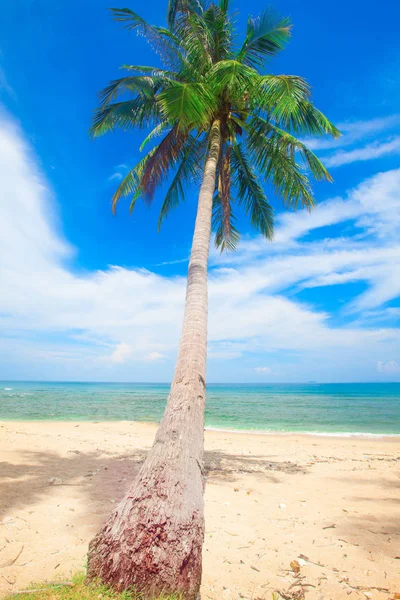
(153, 541)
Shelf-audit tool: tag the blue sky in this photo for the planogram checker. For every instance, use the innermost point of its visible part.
(89, 296)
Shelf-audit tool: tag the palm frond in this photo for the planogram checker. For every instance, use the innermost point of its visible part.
(251, 194)
(192, 105)
(234, 77)
(164, 157)
(274, 163)
(286, 100)
(222, 242)
(266, 36)
(287, 143)
(139, 112)
(197, 43)
(162, 40)
(153, 71)
(143, 85)
(225, 192)
(175, 7)
(224, 5)
(131, 183)
(187, 172)
(220, 31)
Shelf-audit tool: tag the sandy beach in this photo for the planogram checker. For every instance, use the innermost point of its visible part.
(330, 503)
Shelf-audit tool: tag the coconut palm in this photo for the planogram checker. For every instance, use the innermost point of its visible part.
(214, 119)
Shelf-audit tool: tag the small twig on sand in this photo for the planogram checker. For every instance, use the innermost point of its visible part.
(330, 527)
(363, 588)
(8, 563)
(311, 561)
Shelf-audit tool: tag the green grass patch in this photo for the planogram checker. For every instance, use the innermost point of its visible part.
(78, 590)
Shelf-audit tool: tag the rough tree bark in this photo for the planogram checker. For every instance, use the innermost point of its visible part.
(153, 541)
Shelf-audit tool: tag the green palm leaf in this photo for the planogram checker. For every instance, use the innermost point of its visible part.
(164, 157)
(130, 185)
(286, 100)
(192, 105)
(287, 143)
(203, 82)
(139, 112)
(219, 216)
(266, 35)
(232, 76)
(251, 194)
(187, 172)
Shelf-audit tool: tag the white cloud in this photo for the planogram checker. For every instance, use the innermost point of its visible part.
(119, 172)
(121, 353)
(58, 323)
(155, 356)
(390, 367)
(265, 370)
(352, 131)
(117, 176)
(368, 152)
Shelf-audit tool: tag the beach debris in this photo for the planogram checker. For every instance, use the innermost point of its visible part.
(282, 505)
(396, 596)
(295, 566)
(313, 562)
(54, 481)
(291, 594)
(302, 562)
(8, 563)
(330, 526)
(368, 594)
(364, 588)
(10, 521)
(236, 489)
(255, 569)
(9, 581)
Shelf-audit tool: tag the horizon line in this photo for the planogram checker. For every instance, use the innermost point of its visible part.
(309, 382)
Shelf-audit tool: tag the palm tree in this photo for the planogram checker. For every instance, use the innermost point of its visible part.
(214, 118)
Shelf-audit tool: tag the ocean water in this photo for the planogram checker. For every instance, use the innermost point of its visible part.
(357, 408)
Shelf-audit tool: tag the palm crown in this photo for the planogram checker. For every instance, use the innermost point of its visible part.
(208, 78)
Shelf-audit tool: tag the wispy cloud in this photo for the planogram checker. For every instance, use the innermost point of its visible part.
(117, 176)
(119, 173)
(390, 367)
(121, 353)
(369, 140)
(352, 131)
(369, 152)
(155, 356)
(172, 262)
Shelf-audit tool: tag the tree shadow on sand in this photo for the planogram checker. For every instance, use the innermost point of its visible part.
(105, 477)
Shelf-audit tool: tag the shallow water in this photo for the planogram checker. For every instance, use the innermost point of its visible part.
(365, 408)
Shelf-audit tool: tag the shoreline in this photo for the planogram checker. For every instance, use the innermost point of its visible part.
(267, 432)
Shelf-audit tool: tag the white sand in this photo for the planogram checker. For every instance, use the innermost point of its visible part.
(269, 499)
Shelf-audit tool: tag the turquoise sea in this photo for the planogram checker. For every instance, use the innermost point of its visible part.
(333, 408)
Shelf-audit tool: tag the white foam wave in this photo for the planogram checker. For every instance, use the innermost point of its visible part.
(345, 434)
